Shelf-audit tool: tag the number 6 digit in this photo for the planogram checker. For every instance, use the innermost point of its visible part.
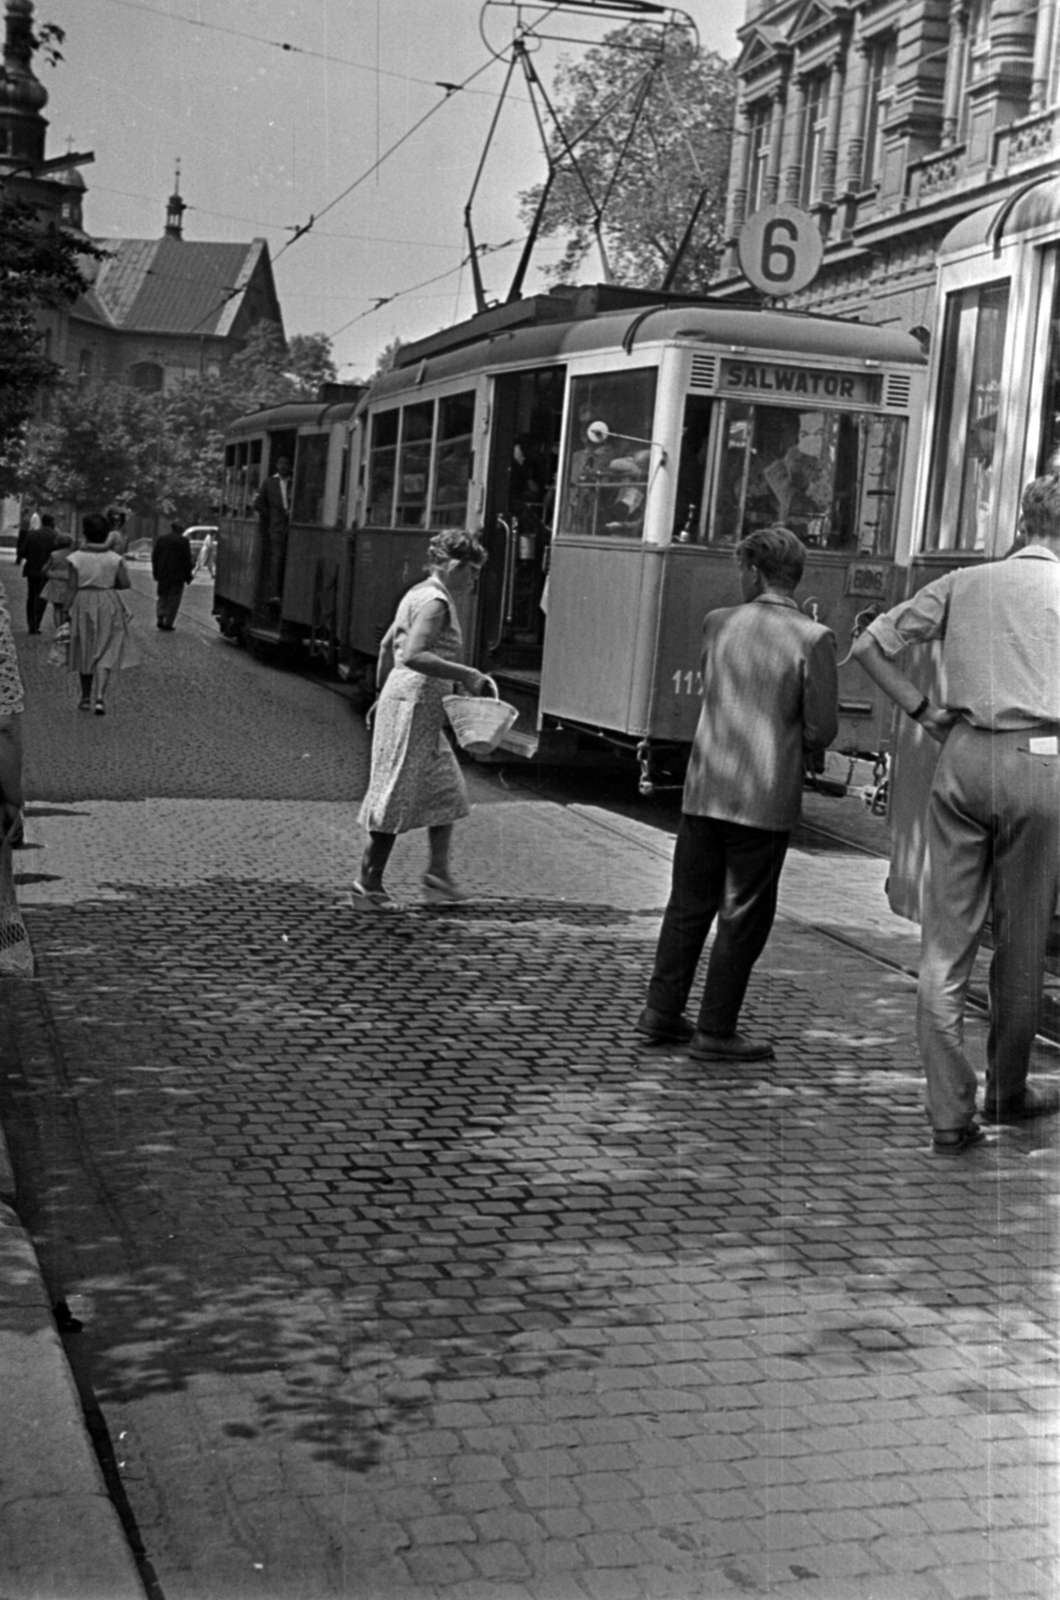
(773, 250)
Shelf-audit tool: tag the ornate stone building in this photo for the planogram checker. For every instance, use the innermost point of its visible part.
(889, 121)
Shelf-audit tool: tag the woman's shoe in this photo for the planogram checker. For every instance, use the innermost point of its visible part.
(441, 891)
(101, 709)
(952, 1141)
(85, 704)
(371, 899)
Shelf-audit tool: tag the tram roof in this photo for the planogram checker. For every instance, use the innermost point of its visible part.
(295, 414)
(489, 342)
(1036, 205)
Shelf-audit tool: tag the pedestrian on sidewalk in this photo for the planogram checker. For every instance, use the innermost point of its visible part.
(100, 640)
(770, 700)
(57, 579)
(172, 567)
(36, 547)
(415, 780)
(993, 814)
(11, 707)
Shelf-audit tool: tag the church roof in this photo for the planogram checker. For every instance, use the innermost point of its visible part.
(171, 285)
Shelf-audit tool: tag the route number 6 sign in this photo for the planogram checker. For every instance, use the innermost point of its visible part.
(780, 249)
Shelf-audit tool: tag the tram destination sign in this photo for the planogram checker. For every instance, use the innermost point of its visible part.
(772, 380)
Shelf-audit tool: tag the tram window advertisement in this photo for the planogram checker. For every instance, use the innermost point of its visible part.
(966, 431)
(414, 465)
(606, 486)
(832, 477)
(454, 460)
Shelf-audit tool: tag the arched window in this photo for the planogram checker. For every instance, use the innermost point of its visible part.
(84, 368)
(147, 376)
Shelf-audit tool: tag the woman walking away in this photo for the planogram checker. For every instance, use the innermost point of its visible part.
(57, 579)
(415, 780)
(100, 639)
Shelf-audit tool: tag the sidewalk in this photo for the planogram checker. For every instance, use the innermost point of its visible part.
(745, 1334)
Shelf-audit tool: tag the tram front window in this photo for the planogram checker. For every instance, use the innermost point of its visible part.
(606, 487)
(829, 476)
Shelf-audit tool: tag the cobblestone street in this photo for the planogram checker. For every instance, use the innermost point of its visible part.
(406, 1271)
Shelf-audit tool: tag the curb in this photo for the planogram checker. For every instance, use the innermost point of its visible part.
(60, 1535)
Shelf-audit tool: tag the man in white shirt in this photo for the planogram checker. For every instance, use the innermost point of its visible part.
(993, 816)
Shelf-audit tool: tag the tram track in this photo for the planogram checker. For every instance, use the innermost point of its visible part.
(570, 790)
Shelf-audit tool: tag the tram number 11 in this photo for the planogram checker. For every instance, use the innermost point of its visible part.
(688, 682)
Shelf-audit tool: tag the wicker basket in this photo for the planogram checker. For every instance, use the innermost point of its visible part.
(479, 723)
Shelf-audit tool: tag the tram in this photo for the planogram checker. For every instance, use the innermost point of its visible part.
(316, 439)
(992, 423)
(610, 446)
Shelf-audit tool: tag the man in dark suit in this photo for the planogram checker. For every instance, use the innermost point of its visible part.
(172, 566)
(770, 699)
(273, 505)
(34, 549)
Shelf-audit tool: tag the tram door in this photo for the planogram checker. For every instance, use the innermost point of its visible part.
(519, 512)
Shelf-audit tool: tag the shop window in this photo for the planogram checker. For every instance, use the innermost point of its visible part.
(966, 440)
(606, 485)
(454, 460)
(414, 465)
(881, 65)
(382, 468)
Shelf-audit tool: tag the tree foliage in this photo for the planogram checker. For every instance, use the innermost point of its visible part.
(40, 272)
(108, 444)
(679, 102)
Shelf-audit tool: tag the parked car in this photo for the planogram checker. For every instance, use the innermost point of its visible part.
(197, 535)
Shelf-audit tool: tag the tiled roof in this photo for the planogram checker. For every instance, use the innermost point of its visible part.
(169, 285)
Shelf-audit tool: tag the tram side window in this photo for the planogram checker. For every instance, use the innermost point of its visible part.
(692, 469)
(960, 498)
(783, 464)
(453, 461)
(228, 483)
(414, 465)
(382, 469)
(310, 479)
(253, 475)
(606, 487)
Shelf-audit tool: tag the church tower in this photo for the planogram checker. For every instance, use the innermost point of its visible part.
(22, 97)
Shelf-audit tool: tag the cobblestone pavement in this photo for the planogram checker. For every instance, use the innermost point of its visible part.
(407, 1271)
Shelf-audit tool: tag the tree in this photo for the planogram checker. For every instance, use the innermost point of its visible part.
(680, 103)
(39, 272)
(163, 453)
(387, 357)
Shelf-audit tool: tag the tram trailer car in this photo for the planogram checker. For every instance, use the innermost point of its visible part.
(314, 610)
(611, 446)
(992, 424)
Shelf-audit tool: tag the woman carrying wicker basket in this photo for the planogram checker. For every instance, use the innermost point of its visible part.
(415, 780)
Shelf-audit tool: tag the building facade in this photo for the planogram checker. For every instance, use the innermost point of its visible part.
(889, 121)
